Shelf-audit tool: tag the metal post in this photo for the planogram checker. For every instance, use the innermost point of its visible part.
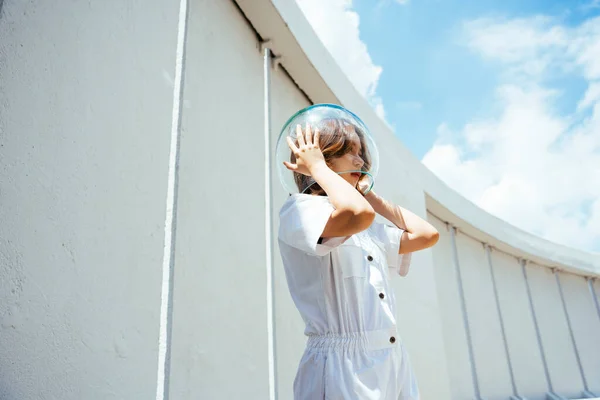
(268, 229)
(465, 315)
(537, 328)
(564, 304)
(499, 310)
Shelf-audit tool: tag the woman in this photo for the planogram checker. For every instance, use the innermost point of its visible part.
(336, 260)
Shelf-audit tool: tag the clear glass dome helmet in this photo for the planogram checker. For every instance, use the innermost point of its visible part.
(339, 129)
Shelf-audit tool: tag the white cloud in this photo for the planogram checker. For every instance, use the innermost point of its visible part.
(592, 95)
(337, 25)
(537, 45)
(529, 46)
(377, 104)
(585, 48)
(530, 165)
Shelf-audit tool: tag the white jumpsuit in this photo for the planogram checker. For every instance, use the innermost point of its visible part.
(341, 288)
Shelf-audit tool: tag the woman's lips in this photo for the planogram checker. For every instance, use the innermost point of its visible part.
(356, 174)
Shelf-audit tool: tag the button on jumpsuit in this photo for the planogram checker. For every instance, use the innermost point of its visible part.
(341, 289)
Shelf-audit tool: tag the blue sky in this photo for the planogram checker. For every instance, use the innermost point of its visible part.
(429, 76)
(500, 99)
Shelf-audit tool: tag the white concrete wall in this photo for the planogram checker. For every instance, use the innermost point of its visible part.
(290, 340)
(491, 361)
(84, 135)
(85, 119)
(419, 309)
(456, 348)
(562, 365)
(220, 309)
(488, 346)
(519, 328)
(586, 328)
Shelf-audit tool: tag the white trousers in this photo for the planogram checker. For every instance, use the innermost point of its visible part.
(370, 365)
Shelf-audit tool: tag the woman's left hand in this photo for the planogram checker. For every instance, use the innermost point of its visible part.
(363, 184)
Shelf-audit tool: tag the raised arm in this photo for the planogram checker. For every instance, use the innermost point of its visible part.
(352, 213)
(419, 234)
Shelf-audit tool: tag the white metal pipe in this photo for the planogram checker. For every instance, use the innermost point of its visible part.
(269, 230)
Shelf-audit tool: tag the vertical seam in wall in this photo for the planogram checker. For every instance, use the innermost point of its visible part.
(537, 328)
(501, 319)
(564, 304)
(166, 300)
(590, 282)
(463, 304)
(541, 262)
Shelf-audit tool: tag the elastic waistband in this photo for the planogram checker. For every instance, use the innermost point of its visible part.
(368, 340)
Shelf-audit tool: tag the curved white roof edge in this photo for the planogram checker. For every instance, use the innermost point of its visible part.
(314, 70)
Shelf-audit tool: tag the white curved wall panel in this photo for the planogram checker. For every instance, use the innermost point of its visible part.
(521, 337)
(560, 358)
(289, 326)
(585, 325)
(488, 347)
(456, 348)
(219, 345)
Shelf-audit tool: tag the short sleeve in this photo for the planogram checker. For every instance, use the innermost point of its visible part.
(391, 237)
(302, 220)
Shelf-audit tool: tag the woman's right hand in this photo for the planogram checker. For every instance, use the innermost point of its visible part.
(308, 153)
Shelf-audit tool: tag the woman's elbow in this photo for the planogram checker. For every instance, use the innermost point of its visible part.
(431, 238)
(366, 217)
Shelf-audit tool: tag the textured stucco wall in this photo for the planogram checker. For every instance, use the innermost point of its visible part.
(86, 95)
(85, 116)
(220, 303)
(290, 340)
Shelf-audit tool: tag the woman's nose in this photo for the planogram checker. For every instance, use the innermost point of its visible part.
(359, 162)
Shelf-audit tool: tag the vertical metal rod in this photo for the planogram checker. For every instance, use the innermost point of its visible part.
(499, 310)
(163, 373)
(537, 328)
(465, 315)
(590, 282)
(564, 304)
(268, 229)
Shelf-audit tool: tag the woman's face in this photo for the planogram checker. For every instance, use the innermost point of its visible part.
(351, 161)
